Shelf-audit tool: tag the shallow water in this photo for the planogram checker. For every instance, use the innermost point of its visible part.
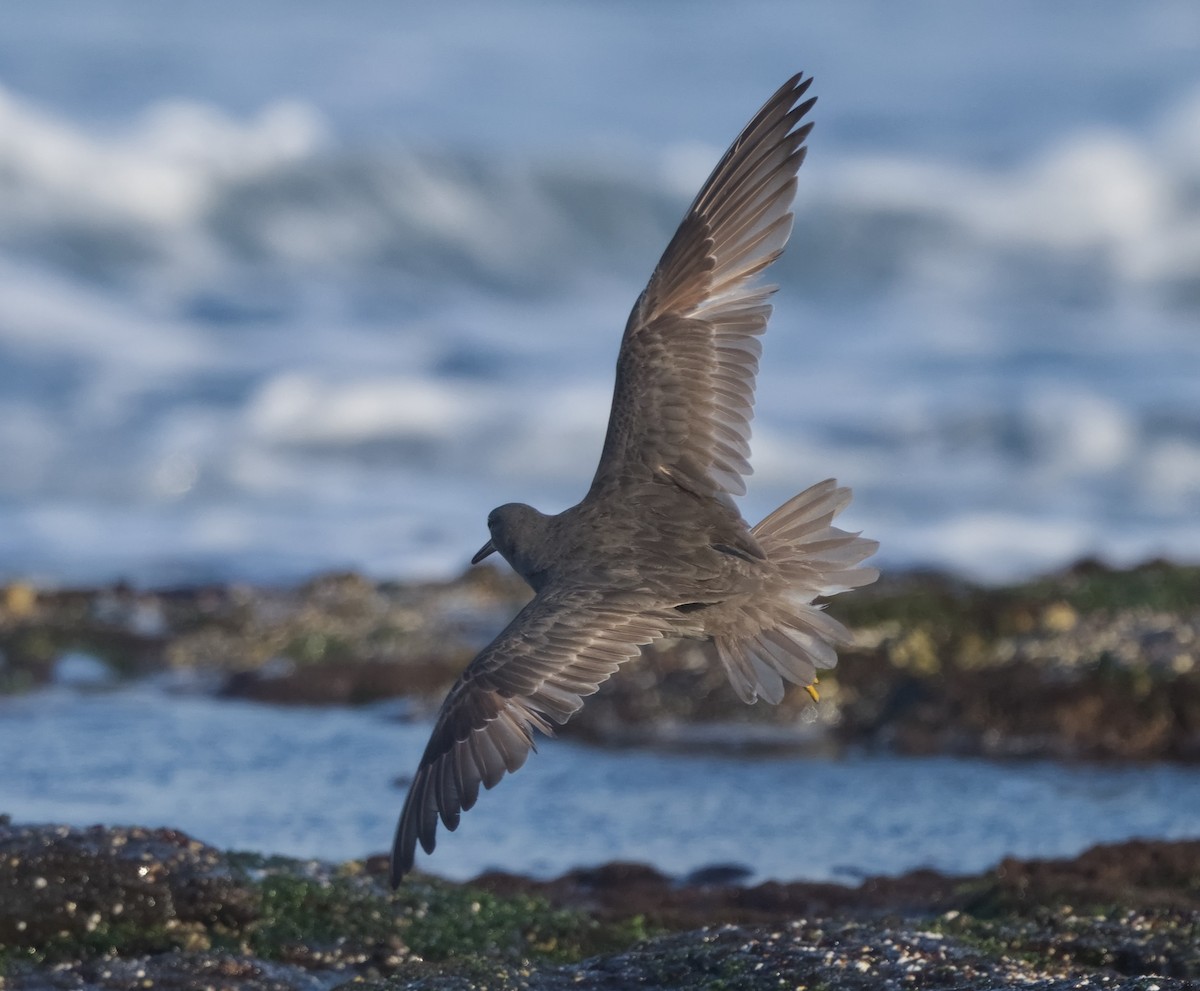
(322, 783)
(285, 289)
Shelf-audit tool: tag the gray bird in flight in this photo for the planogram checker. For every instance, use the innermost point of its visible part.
(657, 547)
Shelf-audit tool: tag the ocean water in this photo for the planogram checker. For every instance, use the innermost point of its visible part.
(324, 783)
(291, 286)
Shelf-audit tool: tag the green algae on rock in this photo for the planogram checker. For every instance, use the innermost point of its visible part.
(126, 908)
(71, 897)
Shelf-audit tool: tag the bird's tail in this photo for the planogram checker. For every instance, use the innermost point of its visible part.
(779, 634)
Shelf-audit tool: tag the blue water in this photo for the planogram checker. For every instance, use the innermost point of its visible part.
(322, 783)
(288, 286)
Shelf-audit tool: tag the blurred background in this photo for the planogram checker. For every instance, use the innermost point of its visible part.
(292, 286)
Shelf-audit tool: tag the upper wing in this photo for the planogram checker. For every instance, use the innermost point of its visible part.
(559, 648)
(685, 374)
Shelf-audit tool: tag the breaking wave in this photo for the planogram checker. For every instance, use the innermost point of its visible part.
(244, 345)
(188, 195)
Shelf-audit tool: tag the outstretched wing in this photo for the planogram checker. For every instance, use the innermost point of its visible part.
(685, 374)
(557, 650)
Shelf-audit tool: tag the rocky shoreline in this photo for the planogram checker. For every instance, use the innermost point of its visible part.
(1090, 663)
(130, 908)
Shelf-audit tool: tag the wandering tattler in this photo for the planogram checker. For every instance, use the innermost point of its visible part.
(657, 547)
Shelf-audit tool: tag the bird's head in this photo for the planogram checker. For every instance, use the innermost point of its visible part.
(517, 533)
(515, 529)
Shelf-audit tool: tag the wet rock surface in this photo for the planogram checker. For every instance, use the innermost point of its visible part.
(125, 908)
(1089, 663)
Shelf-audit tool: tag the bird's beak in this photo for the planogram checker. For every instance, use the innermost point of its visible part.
(484, 551)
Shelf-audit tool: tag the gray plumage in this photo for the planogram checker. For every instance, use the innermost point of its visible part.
(657, 547)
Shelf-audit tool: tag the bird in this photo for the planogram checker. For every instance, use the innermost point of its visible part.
(657, 548)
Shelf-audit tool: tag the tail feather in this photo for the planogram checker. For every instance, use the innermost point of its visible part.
(781, 635)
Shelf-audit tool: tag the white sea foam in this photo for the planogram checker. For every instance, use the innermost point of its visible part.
(188, 187)
(298, 408)
(1116, 208)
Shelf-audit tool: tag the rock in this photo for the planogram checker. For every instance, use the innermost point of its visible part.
(126, 908)
(64, 884)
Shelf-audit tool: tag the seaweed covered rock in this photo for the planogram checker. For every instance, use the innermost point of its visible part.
(133, 908)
